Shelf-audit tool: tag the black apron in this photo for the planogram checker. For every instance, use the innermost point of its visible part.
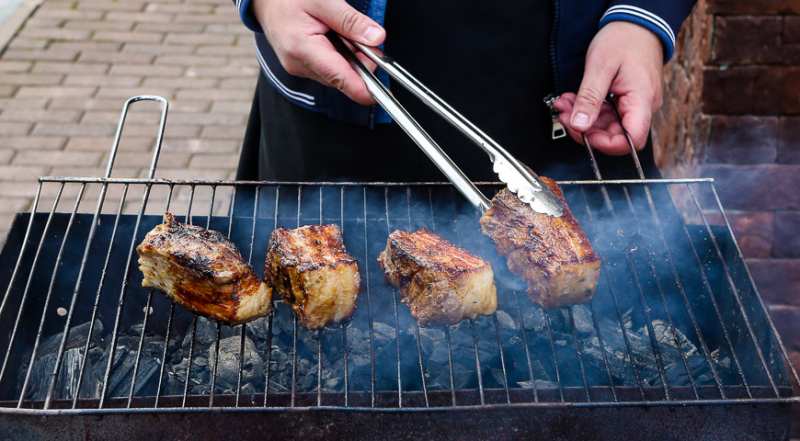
(489, 60)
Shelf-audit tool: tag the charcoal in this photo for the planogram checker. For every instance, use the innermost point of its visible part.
(44, 365)
(228, 365)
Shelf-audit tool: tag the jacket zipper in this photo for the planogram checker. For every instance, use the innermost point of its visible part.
(558, 130)
(553, 34)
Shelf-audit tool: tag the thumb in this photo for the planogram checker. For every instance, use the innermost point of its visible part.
(348, 22)
(596, 81)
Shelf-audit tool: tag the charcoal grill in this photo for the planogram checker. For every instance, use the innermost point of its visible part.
(676, 340)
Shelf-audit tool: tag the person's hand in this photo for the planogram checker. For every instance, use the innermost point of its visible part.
(296, 31)
(626, 60)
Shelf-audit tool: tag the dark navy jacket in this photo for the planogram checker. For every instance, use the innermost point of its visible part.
(575, 24)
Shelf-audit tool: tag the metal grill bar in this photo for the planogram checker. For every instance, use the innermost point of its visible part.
(28, 284)
(169, 323)
(737, 295)
(682, 292)
(785, 354)
(51, 388)
(605, 276)
(416, 325)
(578, 353)
(396, 321)
(369, 308)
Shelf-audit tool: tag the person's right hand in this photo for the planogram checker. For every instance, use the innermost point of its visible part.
(296, 31)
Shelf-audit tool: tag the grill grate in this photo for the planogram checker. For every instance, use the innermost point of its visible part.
(676, 319)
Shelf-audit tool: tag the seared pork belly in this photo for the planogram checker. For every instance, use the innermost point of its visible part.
(203, 271)
(441, 283)
(311, 269)
(551, 254)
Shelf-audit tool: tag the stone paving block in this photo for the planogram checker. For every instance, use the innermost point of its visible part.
(37, 55)
(116, 57)
(86, 104)
(180, 8)
(144, 17)
(61, 116)
(128, 37)
(34, 142)
(180, 83)
(102, 80)
(189, 106)
(85, 46)
(54, 92)
(226, 50)
(169, 27)
(17, 189)
(196, 39)
(15, 66)
(56, 33)
(57, 129)
(230, 161)
(190, 60)
(146, 69)
(23, 103)
(6, 154)
(98, 25)
(223, 72)
(239, 83)
(104, 144)
(143, 159)
(104, 5)
(242, 107)
(17, 172)
(30, 79)
(223, 132)
(13, 205)
(45, 12)
(69, 68)
(230, 28)
(14, 128)
(164, 51)
(202, 145)
(7, 91)
(172, 131)
(215, 119)
(216, 95)
(123, 93)
(53, 159)
(28, 43)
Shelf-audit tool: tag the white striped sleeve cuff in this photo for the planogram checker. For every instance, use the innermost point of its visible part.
(644, 18)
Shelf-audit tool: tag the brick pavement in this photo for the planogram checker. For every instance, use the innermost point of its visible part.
(66, 74)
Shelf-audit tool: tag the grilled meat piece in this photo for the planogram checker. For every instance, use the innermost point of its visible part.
(551, 254)
(441, 283)
(203, 271)
(313, 272)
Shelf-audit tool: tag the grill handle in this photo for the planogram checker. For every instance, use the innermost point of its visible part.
(121, 124)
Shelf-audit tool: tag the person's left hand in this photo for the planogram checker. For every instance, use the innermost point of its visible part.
(626, 60)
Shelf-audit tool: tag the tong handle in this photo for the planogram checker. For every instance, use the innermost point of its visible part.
(413, 129)
(520, 179)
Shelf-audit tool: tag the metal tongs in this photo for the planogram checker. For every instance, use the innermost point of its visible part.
(519, 178)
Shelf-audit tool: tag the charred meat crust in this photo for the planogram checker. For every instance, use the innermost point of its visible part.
(552, 255)
(202, 271)
(313, 272)
(440, 283)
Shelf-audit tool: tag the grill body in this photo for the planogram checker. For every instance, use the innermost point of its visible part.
(676, 339)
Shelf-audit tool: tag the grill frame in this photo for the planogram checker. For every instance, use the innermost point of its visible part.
(52, 407)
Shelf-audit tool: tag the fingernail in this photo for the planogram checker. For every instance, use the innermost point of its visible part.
(371, 33)
(580, 120)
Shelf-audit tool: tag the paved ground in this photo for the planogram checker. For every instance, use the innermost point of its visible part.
(66, 74)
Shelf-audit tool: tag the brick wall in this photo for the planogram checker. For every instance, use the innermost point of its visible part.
(732, 112)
